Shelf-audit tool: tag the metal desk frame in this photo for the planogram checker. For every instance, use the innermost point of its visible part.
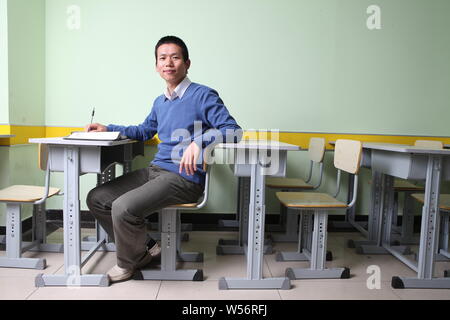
(74, 158)
(256, 165)
(407, 162)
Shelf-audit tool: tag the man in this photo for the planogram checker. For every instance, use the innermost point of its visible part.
(191, 109)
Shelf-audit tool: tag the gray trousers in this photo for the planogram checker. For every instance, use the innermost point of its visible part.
(121, 205)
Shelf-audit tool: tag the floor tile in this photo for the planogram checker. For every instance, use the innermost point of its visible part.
(209, 290)
(53, 260)
(336, 290)
(16, 287)
(423, 294)
(19, 283)
(128, 290)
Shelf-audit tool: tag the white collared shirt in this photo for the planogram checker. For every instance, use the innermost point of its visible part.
(179, 90)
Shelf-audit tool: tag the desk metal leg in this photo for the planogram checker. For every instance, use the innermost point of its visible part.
(407, 231)
(237, 246)
(289, 223)
(429, 234)
(232, 223)
(39, 232)
(444, 237)
(374, 215)
(102, 178)
(89, 241)
(255, 253)
(72, 235)
(380, 224)
(227, 247)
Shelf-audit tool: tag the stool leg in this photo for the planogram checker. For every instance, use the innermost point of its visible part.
(169, 223)
(444, 232)
(13, 257)
(185, 256)
(14, 231)
(169, 240)
(308, 231)
(304, 239)
(407, 221)
(318, 255)
(39, 223)
(319, 241)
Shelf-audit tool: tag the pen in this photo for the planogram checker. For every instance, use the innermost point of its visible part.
(93, 112)
(92, 116)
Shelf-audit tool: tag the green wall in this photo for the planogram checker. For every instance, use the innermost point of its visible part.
(4, 104)
(22, 87)
(26, 47)
(296, 65)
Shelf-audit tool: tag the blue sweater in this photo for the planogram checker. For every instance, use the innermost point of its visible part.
(199, 116)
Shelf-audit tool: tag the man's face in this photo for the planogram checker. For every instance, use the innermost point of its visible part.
(170, 64)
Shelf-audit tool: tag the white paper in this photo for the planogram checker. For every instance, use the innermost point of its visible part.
(82, 135)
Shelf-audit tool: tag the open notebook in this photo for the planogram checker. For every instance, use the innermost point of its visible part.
(82, 135)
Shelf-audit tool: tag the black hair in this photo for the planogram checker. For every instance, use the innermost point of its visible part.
(174, 40)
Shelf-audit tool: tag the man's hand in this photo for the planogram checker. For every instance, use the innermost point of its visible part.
(189, 159)
(95, 127)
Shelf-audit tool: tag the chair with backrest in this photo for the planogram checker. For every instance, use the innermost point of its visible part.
(171, 242)
(347, 157)
(14, 197)
(316, 151)
(406, 230)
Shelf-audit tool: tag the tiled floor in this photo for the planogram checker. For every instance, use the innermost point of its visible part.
(19, 283)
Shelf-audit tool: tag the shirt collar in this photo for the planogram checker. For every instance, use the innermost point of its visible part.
(179, 90)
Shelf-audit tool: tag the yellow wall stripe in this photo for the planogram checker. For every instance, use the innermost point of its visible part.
(23, 133)
(302, 138)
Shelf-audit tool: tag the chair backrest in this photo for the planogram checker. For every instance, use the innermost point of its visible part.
(206, 168)
(347, 155)
(432, 144)
(316, 149)
(42, 156)
(316, 153)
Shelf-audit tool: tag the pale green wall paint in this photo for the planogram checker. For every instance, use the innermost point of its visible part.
(297, 65)
(22, 87)
(4, 101)
(292, 65)
(5, 174)
(318, 65)
(26, 29)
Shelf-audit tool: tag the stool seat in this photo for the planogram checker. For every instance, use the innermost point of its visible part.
(287, 183)
(24, 193)
(403, 185)
(184, 205)
(444, 200)
(309, 200)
